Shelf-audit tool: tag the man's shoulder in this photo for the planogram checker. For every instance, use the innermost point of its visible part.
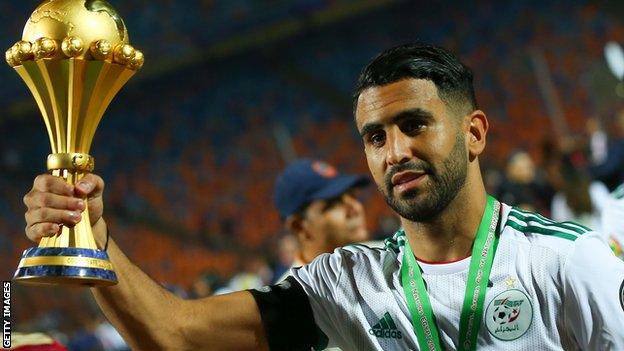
(533, 229)
(365, 246)
(564, 250)
(370, 250)
(350, 259)
(346, 258)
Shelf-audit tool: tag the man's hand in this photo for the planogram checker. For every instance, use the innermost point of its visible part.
(148, 316)
(53, 202)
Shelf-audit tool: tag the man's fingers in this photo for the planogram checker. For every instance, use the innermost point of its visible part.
(37, 231)
(37, 199)
(52, 215)
(52, 203)
(47, 183)
(90, 185)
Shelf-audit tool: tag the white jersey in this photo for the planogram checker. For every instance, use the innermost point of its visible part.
(298, 262)
(553, 286)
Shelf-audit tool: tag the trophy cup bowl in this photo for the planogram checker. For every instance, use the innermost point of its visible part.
(74, 57)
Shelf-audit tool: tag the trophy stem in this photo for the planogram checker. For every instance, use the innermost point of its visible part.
(78, 236)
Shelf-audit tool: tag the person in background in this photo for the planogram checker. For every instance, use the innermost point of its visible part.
(287, 249)
(319, 208)
(205, 285)
(610, 170)
(109, 337)
(579, 198)
(521, 186)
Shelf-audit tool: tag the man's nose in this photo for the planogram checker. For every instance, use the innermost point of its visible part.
(398, 147)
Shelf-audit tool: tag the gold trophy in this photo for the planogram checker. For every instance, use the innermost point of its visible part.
(74, 57)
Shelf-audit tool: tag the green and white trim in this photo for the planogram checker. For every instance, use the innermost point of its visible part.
(525, 221)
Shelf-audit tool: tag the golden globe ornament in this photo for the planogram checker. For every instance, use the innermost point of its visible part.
(14, 54)
(101, 49)
(123, 54)
(137, 61)
(8, 55)
(22, 51)
(72, 46)
(44, 48)
(74, 56)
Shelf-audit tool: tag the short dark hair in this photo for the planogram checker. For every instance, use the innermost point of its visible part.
(452, 78)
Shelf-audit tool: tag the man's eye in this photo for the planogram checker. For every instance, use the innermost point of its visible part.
(377, 139)
(411, 127)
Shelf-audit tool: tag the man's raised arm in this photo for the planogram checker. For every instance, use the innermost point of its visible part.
(147, 315)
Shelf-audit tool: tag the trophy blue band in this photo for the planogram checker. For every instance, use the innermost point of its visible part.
(54, 265)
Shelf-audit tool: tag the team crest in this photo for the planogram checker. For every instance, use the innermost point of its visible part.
(509, 315)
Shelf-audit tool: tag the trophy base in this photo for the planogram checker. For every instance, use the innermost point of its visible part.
(65, 265)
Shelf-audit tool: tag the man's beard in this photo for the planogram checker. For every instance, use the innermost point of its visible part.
(443, 185)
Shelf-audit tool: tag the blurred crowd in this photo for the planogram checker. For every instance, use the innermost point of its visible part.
(190, 157)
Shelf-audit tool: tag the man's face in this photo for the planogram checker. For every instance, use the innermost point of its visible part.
(415, 147)
(337, 222)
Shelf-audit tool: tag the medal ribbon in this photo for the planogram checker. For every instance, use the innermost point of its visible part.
(419, 305)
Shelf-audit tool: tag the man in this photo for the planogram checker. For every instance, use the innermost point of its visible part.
(319, 208)
(465, 271)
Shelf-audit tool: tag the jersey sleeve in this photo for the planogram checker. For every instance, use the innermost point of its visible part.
(593, 303)
(320, 280)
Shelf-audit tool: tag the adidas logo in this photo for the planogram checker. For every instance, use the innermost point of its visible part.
(385, 328)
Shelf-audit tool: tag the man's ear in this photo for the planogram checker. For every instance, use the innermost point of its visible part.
(477, 132)
(294, 224)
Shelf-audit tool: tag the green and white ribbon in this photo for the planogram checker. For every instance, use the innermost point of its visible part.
(419, 305)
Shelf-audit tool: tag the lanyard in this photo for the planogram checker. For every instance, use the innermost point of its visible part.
(423, 320)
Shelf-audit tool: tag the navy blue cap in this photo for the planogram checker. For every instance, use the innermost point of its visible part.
(305, 180)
